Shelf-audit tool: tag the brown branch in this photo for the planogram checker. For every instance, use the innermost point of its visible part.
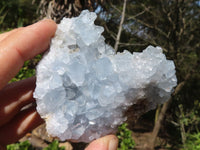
(147, 9)
(148, 40)
(182, 127)
(149, 26)
(50, 10)
(33, 2)
(163, 7)
(131, 44)
(113, 35)
(140, 13)
(120, 26)
(115, 8)
(163, 112)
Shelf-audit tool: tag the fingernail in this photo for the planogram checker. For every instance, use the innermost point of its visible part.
(113, 144)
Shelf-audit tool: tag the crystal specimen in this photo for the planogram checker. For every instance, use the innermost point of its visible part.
(84, 88)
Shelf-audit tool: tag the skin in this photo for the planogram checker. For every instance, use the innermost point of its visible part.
(16, 47)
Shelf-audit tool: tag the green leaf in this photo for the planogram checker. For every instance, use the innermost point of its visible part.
(124, 135)
(54, 146)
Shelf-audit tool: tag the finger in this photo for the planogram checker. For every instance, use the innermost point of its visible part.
(6, 34)
(15, 96)
(109, 142)
(23, 45)
(23, 123)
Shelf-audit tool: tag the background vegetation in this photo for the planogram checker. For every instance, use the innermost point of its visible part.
(172, 24)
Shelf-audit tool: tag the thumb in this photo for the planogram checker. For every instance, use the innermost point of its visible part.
(109, 142)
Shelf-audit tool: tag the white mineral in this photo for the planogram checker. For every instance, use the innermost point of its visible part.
(83, 87)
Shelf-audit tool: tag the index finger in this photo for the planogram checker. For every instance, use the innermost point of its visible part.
(23, 45)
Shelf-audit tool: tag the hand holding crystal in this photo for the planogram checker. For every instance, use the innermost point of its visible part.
(17, 46)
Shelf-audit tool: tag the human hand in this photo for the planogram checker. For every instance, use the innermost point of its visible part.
(16, 47)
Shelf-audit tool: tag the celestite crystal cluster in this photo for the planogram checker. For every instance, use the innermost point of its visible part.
(83, 87)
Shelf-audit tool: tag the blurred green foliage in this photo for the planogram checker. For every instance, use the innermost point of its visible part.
(189, 122)
(17, 13)
(27, 146)
(20, 146)
(28, 70)
(192, 142)
(124, 135)
(25, 72)
(54, 146)
(14, 14)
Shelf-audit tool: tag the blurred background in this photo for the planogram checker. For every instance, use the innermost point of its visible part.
(173, 25)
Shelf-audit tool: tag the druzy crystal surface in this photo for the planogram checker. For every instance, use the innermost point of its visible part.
(84, 88)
